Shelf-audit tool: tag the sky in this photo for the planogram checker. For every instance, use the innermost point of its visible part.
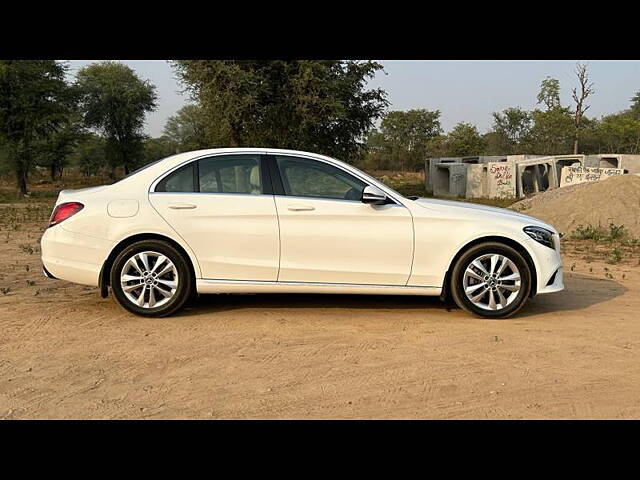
(464, 91)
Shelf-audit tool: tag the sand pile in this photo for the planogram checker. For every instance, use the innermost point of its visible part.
(614, 200)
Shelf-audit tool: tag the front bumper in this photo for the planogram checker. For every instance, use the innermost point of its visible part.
(554, 284)
(548, 263)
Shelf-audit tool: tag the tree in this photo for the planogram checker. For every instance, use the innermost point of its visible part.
(635, 106)
(89, 154)
(586, 89)
(114, 100)
(187, 129)
(158, 148)
(321, 106)
(512, 128)
(55, 150)
(619, 133)
(494, 143)
(464, 140)
(551, 132)
(549, 93)
(34, 100)
(375, 157)
(406, 135)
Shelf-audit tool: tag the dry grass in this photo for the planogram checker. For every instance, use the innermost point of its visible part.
(42, 189)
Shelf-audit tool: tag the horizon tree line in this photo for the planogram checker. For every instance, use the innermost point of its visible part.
(95, 121)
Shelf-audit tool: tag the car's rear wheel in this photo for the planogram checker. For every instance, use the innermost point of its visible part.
(151, 278)
(492, 280)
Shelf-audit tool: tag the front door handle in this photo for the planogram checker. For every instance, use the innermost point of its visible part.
(300, 208)
(182, 206)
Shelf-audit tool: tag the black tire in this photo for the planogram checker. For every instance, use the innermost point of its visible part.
(456, 285)
(183, 292)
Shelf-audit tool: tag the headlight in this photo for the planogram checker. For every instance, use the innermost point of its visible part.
(540, 235)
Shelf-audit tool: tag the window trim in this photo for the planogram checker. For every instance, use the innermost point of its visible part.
(265, 177)
(279, 187)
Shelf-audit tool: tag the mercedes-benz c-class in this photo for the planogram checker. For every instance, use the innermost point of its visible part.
(257, 220)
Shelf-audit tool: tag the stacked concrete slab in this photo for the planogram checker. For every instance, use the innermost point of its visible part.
(501, 181)
(629, 163)
(477, 186)
(516, 175)
(432, 166)
(450, 179)
(580, 174)
(430, 169)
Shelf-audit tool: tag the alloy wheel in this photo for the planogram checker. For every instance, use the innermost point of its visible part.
(149, 279)
(491, 281)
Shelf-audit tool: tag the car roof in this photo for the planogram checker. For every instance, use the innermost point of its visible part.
(159, 167)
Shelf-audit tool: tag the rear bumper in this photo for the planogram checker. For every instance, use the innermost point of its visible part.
(72, 256)
(47, 273)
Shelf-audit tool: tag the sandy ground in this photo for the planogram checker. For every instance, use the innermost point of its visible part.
(66, 353)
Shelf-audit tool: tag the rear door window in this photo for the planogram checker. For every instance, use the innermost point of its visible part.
(230, 174)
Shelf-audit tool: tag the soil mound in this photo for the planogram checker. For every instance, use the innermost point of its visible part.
(614, 200)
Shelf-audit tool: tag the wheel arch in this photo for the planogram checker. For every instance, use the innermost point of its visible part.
(446, 293)
(104, 276)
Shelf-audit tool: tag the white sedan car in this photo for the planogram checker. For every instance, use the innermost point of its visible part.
(257, 220)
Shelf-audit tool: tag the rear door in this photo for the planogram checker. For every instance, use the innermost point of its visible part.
(223, 208)
(328, 235)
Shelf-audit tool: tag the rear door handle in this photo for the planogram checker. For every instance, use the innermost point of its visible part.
(182, 206)
(300, 208)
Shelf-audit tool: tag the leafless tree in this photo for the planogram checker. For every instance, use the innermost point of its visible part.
(586, 89)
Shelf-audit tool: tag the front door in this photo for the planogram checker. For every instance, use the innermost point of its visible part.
(328, 235)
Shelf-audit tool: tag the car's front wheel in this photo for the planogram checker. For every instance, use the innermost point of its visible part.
(151, 278)
(491, 280)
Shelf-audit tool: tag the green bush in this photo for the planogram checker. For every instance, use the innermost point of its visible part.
(614, 256)
(588, 232)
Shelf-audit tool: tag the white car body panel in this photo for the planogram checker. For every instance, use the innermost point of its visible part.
(337, 241)
(255, 243)
(234, 237)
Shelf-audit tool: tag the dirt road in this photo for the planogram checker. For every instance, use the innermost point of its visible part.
(66, 353)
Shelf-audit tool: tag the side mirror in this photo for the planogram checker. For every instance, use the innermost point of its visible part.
(373, 195)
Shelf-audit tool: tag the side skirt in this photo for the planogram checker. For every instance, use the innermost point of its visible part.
(245, 286)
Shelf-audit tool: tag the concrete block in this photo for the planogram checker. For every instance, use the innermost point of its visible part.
(536, 175)
(562, 161)
(484, 159)
(501, 179)
(520, 158)
(592, 161)
(477, 181)
(608, 161)
(450, 179)
(430, 170)
(579, 174)
(630, 163)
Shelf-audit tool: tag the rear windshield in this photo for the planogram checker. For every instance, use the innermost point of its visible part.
(142, 168)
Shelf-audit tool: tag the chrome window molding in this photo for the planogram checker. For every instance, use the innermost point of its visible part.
(202, 157)
(366, 180)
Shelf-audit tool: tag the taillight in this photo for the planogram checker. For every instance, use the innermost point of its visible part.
(64, 211)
